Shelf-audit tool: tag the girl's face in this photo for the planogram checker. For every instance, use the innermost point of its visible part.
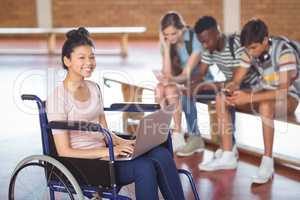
(82, 61)
(172, 34)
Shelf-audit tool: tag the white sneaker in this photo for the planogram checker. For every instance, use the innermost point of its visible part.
(226, 161)
(265, 171)
(194, 144)
(177, 141)
(218, 153)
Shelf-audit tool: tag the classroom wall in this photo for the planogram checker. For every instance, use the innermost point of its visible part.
(18, 13)
(130, 13)
(281, 16)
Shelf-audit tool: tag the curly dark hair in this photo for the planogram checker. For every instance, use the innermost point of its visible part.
(205, 23)
(75, 38)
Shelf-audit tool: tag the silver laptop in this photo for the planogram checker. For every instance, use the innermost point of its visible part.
(152, 131)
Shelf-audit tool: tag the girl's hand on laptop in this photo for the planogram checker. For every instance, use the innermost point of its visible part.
(123, 150)
(127, 142)
(122, 141)
(131, 142)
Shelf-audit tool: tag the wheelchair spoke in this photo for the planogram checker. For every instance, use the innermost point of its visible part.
(32, 182)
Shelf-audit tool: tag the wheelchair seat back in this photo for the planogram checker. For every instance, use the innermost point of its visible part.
(88, 172)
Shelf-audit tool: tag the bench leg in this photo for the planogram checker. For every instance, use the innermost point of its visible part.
(51, 43)
(124, 45)
(131, 94)
(213, 121)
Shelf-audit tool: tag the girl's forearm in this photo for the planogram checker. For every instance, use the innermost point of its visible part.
(85, 153)
(167, 64)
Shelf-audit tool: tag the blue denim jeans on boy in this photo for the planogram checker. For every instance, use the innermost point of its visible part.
(190, 112)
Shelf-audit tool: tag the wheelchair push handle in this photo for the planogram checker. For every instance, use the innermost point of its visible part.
(30, 97)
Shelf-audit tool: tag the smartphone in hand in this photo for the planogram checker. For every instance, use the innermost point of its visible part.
(158, 74)
(227, 92)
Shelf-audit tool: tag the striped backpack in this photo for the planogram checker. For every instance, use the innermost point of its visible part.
(280, 42)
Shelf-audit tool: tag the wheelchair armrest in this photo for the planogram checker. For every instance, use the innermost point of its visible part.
(75, 125)
(85, 126)
(133, 107)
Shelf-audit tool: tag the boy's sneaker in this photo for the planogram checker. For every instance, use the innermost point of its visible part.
(177, 141)
(265, 171)
(218, 153)
(226, 161)
(194, 144)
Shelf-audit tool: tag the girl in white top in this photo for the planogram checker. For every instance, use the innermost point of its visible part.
(77, 99)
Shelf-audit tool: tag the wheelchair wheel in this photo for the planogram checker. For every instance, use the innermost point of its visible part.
(35, 175)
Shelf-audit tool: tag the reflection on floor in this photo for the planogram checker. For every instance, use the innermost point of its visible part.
(37, 74)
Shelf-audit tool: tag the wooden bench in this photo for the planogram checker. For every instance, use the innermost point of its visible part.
(131, 92)
(134, 87)
(52, 32)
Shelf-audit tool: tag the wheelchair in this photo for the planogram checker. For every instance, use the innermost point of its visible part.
(55, 177)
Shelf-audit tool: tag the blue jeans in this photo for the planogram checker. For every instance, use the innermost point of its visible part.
(150, 171)
(190, 112)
